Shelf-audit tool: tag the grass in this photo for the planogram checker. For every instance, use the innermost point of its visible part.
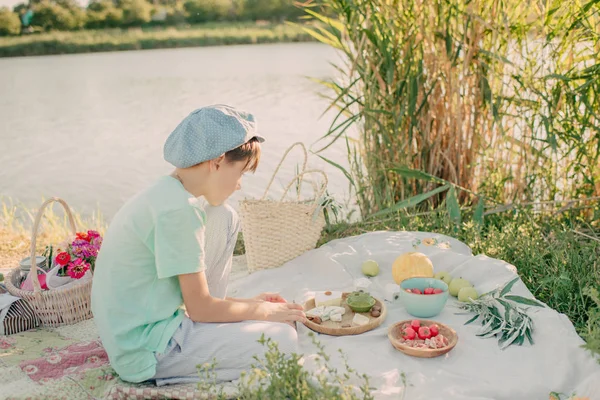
(15, 229)
(88, 41)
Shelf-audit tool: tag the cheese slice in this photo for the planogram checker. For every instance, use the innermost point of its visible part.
(326, 313)
(360, 320)
(336, 317)
(328, 299)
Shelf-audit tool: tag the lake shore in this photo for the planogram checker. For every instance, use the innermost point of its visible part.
(90, 41)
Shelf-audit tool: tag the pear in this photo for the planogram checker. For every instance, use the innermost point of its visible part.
(456, 284)
(370, 268)
(467, 293)
(443, 276)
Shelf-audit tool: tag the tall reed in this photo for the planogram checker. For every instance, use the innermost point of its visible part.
(497, 97)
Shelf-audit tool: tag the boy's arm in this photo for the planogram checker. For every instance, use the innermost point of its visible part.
(202, 307)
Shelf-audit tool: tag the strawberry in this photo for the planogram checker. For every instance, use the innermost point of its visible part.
(424, 333)
(437, 291)
(415, 324)
(417, 291)
(409, 334)
(409, 290)
(429, 290)
(434, 330)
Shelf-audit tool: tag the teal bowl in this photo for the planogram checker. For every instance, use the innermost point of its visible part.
(423, 305)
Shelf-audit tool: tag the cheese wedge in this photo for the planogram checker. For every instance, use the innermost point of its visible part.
(328, 299)
(360, 320)
(316, 312)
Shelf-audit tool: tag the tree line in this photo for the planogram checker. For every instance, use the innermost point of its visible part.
(68, 15)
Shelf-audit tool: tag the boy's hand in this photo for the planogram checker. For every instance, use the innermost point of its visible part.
(271, 297)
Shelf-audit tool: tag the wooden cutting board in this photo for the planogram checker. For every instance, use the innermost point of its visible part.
(345, 327)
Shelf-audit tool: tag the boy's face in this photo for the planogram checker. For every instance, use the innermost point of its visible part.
(225, 178)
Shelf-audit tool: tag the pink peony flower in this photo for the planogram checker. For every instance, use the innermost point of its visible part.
(93, 234)
(77, 268)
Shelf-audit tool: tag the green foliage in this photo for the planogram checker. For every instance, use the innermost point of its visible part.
(61, 16)
(10, 24)
(592, 332)
(271, 9)
(103, 14)
(282, 376)
(199, 11)
(135, 12)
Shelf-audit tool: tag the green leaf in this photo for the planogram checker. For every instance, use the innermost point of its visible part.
(514, 335)
(508, 286)
(524, 300)
(453, 207)
(472, 319)
(407, 172)
(528, 334)
(413, 201)
(519, 340)
(478, 215)
(329, 21)
(507, 308)
(338, 166)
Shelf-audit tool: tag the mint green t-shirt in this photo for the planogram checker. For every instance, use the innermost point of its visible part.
(136, 297)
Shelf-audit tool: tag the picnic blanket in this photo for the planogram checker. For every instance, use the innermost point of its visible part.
(69, 362)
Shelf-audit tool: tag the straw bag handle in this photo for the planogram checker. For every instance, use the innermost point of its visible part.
(279, 166)
(36, 225)
(318, 195)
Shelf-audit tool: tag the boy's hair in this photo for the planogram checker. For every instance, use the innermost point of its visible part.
(249, 152)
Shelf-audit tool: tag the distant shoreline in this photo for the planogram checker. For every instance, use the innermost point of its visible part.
(93, 41)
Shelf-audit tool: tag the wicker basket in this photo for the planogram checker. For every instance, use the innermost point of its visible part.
(55, 307)
(278, 231)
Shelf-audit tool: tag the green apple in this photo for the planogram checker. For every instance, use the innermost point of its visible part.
(456, 284)
(370, 268)
(443, 276)
(467, 293)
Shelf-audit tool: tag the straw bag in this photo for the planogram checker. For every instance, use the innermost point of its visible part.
(278, 231)
(62, 306)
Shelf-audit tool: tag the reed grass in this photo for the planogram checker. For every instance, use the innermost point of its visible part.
(498, 98)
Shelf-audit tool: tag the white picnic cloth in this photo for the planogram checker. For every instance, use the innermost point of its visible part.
(476, 369)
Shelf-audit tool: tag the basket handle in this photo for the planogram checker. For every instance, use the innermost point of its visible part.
(281, 162)
(36, 225)
(318, 194)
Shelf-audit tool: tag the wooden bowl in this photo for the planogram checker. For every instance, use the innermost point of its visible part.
(395, 336)
(335, 328)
